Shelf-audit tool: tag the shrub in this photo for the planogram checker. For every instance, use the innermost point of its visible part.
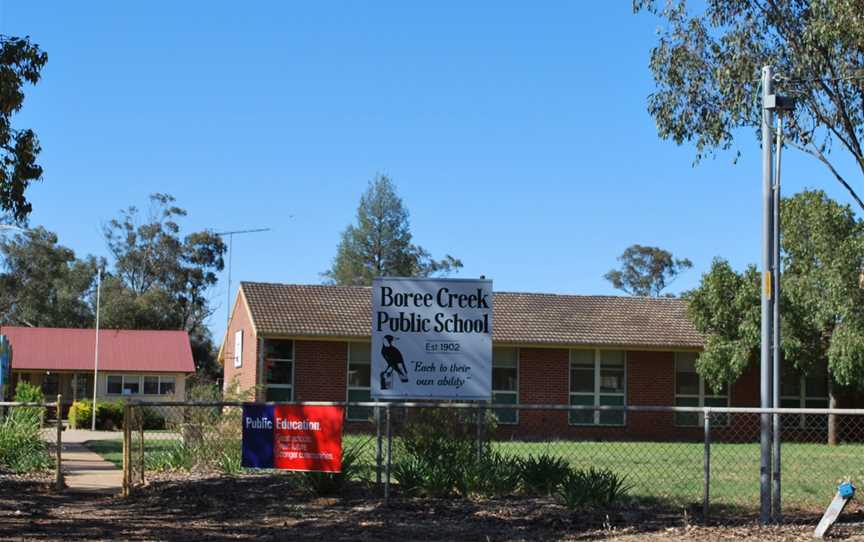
(591, 488)
(541, 474)
(494, 475)
(109, 415)
(332, 483)
(22, 448)
(81, 414)
(411, 475)
(152, 419)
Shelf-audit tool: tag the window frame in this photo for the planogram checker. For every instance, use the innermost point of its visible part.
(292, 360)
(349, 388)
(507, 392)
(123, 378)
(596, 393)
(700, 397)
(802, 399)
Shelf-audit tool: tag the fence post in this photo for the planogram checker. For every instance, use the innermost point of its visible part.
(378, 446)
(141, 443)
(127, 447)
(706, 466)
(389, 458)
(59, 474)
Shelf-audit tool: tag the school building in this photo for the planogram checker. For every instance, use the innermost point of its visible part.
(312, 343)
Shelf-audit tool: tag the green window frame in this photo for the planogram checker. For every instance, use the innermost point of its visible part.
(359, 381)
(692, 391)
(278, 370)
(804, 390)
(598, 378)
(505, 384)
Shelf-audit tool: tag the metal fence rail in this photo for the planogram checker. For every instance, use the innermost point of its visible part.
(706, 459)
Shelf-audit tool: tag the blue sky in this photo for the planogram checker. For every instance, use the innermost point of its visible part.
(517, 134)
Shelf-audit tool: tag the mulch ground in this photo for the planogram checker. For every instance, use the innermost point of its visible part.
(273, 508)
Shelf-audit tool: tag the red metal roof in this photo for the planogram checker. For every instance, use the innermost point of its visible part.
(61, 349)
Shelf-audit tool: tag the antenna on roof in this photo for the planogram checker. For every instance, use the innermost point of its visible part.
(230, 235)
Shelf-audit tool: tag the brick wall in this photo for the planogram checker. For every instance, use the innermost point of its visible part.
(320, 370)
(247, 375)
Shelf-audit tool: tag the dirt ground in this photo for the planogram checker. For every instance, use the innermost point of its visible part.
(272, 508)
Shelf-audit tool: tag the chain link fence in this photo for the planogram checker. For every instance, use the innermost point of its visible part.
(706, 460)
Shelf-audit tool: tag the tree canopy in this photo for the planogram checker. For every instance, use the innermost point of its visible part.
(21, 63)
(822, 304)
(380, 243)
(155, 279)
(707, 68)
(646, 271)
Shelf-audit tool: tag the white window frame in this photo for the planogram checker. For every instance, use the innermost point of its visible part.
(159, 380)
(123, 378)
(349, 387)
(701, 397)
(509, 392)
(596, 393)
(293, 368)
(238, 349)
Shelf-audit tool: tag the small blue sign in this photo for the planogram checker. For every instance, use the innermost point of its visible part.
(5, 360)
(258, 432)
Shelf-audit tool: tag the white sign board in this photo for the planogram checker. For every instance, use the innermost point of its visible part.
(431, 338)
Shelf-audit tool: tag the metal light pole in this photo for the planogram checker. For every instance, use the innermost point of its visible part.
(765, 372)
(96, 355)
(769, 465)
(231, 235)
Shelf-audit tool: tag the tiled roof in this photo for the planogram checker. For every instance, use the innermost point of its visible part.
(520, 318)
(62, 349)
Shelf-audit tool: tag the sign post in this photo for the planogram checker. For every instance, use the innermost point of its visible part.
(431, 339)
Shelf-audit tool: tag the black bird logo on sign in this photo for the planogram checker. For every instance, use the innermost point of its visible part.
(395, 362)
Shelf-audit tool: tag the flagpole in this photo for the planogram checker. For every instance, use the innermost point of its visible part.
(96, 360)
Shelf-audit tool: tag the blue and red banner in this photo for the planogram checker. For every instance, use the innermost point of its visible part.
(293, 437)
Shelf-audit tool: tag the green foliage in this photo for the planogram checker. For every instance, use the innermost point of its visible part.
(380, 243)
(707, 63)
(542, 473)
(822, 321)
(152, 419)
(21, 63)
(80, 414)
(22, 448)
(646, 271)
(109, 414)
(591, 487)
(495, 475)
(327, 483)
(44, 284)
(160, 279)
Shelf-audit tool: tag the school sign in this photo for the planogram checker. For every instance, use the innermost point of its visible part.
(431, 339)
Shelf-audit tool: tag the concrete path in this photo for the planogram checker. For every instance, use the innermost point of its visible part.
(86, 472)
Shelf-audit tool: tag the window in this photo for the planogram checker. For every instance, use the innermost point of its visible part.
(692, 391)
(115, 384)
(131, 385)
(159, 385)
(238, 348)
(597, 378)
(151, 385)
(804, 390)
(167, 385)
(50, 385)
(83, 385)
(279, 370)
(359, 380)
(505, 383)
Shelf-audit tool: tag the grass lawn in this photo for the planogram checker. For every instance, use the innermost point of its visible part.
(672, 471)
(112, 450)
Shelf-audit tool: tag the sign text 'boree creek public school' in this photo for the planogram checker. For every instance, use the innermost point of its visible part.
(431, 338)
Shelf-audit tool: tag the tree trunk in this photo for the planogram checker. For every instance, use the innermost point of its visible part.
(832, 418)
